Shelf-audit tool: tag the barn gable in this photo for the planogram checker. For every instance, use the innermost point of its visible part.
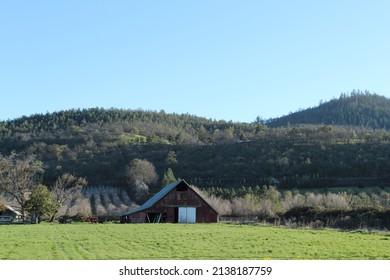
(175, 203)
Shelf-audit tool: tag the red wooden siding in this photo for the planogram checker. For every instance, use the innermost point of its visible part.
(180, 196)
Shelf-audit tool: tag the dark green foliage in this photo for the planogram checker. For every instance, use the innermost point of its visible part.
(122, 126)
(98, 144)
(93, 205)
(41, 202)
(357, 109)
(168, 178)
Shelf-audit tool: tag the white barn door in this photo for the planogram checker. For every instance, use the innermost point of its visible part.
(187, 215)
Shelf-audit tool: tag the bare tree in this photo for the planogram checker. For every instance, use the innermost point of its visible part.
(18, 176)
(66, 188)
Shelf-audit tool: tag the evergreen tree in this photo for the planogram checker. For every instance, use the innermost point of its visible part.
(41, 202)
(203, 135)
(168, 177)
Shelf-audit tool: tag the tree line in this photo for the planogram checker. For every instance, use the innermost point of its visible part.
(309, 209)
(21, 185)
(98, 144)
(292, 157)
(359, 108)
(20, 182)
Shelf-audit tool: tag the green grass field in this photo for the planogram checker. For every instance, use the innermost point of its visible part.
(187, 242)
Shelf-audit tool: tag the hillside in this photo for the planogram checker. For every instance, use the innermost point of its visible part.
(356, 109)
(136, 126)
(99, 144)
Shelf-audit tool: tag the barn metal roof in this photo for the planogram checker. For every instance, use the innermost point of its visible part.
(153, 200)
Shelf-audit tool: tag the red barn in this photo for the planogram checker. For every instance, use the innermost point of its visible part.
(175, 203)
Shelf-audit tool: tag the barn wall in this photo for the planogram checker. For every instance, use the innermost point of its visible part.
(138, 217)
(175, 199)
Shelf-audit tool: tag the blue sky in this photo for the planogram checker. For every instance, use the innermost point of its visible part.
(220, 59)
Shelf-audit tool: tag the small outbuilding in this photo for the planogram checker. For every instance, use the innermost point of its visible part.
(9, 215)
(175, 203)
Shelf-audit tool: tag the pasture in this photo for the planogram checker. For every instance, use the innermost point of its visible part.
(83, 241)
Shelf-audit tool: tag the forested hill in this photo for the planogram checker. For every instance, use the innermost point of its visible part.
(357, 109)
(117, 125)
(100, 143)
